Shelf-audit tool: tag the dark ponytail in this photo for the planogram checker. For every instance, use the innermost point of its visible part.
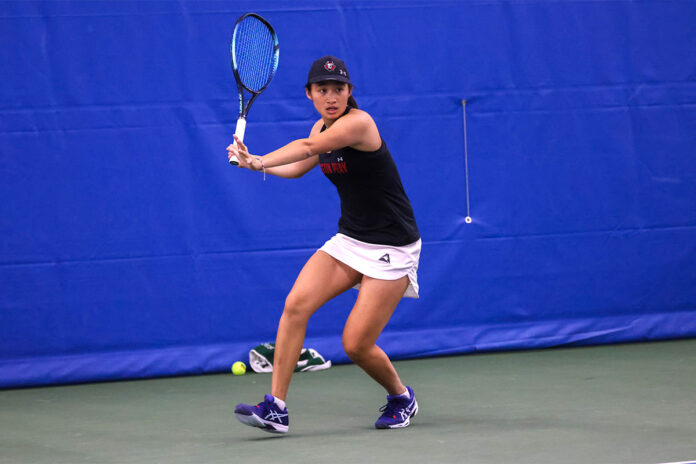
(351, 101)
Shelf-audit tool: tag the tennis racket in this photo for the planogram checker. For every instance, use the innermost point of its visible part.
(254, 52)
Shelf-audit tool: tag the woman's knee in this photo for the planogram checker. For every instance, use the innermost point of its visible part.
(355, 346)
(298, 307)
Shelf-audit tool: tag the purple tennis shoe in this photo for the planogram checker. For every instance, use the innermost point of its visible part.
(266, 415)
(398, 411)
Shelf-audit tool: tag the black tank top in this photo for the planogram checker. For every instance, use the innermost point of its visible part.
(374, 206)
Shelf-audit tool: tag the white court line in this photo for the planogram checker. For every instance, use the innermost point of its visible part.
(680, 462)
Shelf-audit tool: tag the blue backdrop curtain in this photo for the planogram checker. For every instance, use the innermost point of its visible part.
(130, 248)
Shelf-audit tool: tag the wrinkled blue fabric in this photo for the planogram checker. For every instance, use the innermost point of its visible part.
(130, 248)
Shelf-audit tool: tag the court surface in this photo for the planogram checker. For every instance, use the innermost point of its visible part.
(621, 404)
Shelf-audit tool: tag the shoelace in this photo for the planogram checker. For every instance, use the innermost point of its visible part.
(390, 409)
(264, 402)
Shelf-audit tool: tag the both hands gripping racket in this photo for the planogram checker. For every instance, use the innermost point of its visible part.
(254, 52)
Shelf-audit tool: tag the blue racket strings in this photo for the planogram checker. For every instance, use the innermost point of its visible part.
(254, 53)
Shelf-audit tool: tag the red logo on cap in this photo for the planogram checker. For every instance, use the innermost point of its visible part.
(329, 66)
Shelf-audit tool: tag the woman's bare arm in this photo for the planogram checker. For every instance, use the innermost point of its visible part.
(356, 129)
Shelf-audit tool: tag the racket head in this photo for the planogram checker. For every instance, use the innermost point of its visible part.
(254, 52)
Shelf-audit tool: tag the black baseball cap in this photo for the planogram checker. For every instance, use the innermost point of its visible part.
(328, 68)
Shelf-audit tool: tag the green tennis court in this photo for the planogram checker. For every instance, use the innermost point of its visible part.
(621, 404)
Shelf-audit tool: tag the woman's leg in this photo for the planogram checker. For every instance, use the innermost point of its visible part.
(376, 303)
(321, 279)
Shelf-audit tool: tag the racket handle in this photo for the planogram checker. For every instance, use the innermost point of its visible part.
(239, 132)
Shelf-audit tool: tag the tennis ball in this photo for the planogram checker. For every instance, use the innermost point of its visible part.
(239, 368)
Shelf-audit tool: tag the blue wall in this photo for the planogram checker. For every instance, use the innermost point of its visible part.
(130, 248)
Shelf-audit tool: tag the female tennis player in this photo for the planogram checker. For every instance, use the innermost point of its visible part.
(376, 249)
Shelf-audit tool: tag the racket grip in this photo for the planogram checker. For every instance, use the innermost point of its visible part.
(239, 132)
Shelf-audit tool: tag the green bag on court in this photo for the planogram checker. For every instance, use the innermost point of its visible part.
(261, 359)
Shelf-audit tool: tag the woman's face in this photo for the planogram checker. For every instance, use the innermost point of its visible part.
(330, 98)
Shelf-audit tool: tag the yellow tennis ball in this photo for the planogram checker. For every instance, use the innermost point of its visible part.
(239, 368)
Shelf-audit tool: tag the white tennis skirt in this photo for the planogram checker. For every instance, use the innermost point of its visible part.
(383, 262)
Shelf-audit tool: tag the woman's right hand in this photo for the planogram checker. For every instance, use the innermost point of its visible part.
(241, 152)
